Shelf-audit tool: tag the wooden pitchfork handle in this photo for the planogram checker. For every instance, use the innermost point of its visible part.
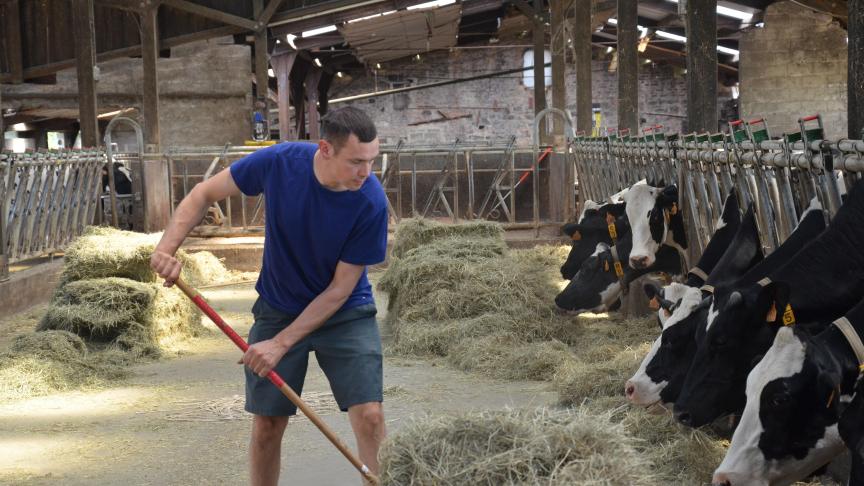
(279, 382)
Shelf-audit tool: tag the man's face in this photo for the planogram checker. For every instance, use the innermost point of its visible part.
(352, 163)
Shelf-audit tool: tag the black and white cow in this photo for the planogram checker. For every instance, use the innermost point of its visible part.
(655, 220)
(852, 432)
(685, 308)
(825, 279)
(596, 287)
(592, 228)
(789, 425)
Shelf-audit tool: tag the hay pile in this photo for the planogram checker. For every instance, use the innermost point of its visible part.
(107, 312)
(513, 448)
(456, 291)
(483, 308)
(39, 363)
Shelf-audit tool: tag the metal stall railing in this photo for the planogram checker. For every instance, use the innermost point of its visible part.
(420, 180)
(47, 198)
(780, 176)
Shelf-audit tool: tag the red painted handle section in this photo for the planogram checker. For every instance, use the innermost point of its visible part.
(735, 123)
(810, 118)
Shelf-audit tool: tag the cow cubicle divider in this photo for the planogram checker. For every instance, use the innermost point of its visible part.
(780, 175)
(47, 198)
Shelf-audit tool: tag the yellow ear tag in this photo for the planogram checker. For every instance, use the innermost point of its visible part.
(618, 270)
(772, 313)
(576, 236)
(605, 266)
(613, 233)
(654, 304)
(788, 316)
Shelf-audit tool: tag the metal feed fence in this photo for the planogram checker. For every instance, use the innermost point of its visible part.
(780, 175)
(47, 198)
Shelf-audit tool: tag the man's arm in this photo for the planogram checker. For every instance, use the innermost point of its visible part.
(264, 355)
(189, 213)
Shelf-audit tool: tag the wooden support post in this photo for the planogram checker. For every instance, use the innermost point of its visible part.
(856, 69)
(701, 28)
(628, 67)
(13, 40)
(149, 55)
(582, 43)
(262, 84)
(558, 46)
(85, 60)
(4, 259)
(312, 79)
(282, 64)
(539, 34)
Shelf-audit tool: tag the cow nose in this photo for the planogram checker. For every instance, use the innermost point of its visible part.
(684, 417)
(629, 390)
(721, 479)
(639, 262)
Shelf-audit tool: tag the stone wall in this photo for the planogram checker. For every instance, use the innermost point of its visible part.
(793, 67)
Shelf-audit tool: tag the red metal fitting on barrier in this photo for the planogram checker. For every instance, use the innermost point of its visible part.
(809, 118)
(735, 123)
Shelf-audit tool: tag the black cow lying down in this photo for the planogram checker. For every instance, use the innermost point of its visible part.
(819, 284)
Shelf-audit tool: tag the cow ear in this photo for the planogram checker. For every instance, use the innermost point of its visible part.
(779, 312)
(569, 229)
(669, 196)
(654, 293)
(616, 210)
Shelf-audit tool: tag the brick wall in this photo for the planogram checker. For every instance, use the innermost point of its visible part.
(496, 107)
(795, 66)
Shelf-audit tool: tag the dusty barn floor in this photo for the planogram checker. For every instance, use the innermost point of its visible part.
(180, 420)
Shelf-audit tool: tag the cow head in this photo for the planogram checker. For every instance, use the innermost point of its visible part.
(789, 425)
(592, 228)
(852, 432)
(595, 287)
(739, 329)
(648, 210)
(662, 372)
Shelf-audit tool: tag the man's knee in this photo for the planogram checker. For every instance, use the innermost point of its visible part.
(268, 429)
(370, 415)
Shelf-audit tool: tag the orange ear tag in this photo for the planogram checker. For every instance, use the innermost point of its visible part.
(674, 209)
(576, 236)
(605, 266)
(618, 270)
(610, 219)
(654, 304)
(667, 313)
(772, 313)
(788, 316)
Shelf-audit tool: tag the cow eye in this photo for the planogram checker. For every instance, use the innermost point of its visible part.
(779, 399)
(719, 341)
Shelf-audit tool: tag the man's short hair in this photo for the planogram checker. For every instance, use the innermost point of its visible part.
(338, 125)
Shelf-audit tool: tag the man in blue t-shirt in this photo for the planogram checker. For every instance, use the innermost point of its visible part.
(326, 220)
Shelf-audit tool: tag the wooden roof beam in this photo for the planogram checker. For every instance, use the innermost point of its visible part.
(212, 13)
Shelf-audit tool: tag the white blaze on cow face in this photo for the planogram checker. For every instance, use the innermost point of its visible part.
(640, 200)
(640, 389)
(745, 462)
(712, 316)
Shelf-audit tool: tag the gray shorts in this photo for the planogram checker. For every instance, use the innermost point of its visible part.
(347, 347)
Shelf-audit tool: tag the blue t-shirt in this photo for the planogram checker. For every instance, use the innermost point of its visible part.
(309, 228)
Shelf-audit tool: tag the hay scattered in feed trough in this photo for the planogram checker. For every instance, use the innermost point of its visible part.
(549, 447)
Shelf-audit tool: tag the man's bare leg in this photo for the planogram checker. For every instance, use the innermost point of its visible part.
(367, 420)
(265, 449)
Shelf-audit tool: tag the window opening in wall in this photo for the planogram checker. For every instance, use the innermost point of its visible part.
(528, 74)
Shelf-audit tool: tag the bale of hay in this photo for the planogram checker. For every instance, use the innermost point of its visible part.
(513, 448)
(40, 363)
(140, 317)
(412, 233)
(108, 252)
